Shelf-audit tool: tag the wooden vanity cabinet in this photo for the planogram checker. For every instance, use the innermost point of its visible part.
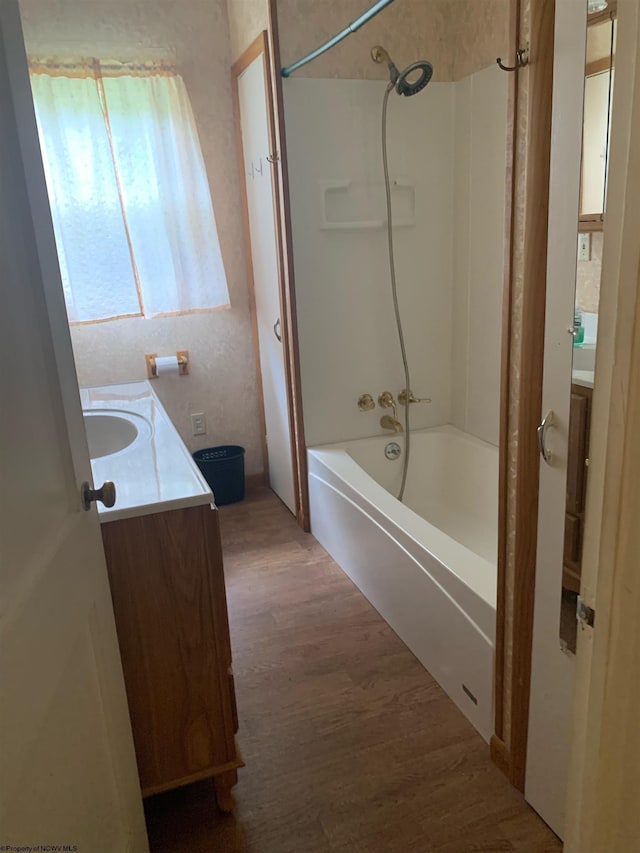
(578, 453)
(167, 585)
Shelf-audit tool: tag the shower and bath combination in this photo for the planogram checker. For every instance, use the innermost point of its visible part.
(410, 81)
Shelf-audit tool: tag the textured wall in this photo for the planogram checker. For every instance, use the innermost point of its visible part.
(408, 29)
(247, 19)
(478, 34)
(222, 383)
(457, 36)
(588, 276)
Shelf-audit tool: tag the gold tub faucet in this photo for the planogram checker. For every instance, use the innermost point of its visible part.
(387, 422)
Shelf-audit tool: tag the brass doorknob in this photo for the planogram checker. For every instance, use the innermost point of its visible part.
(106, 494)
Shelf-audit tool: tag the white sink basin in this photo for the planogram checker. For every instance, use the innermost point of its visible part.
(111, 431)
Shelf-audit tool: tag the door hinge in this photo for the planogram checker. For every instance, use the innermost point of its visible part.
(584, 614)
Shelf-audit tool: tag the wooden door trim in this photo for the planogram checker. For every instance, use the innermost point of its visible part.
(243, 62)
(532, 152)
(260, 47)
(289, 290)
(498, 749)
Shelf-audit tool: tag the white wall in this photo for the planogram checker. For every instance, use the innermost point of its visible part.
(480, 131)
(348, 339)
(450, 142)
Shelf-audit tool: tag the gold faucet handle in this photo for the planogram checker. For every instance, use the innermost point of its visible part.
(386, 401)
(366, 403)
(406, 396)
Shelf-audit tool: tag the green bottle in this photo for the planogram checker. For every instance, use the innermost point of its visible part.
(578, 329)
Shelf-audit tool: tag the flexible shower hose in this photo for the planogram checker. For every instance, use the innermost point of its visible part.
(394, 293)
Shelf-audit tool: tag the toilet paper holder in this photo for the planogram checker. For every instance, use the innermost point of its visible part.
(182, 363)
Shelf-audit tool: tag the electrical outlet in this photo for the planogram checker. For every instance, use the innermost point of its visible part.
(584, 247)
(198, 423)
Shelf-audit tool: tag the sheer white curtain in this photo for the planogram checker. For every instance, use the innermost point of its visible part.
(131, 206)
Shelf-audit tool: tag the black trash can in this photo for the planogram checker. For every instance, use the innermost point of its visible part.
(223, 469)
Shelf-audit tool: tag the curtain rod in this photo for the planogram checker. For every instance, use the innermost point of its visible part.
(351, 28)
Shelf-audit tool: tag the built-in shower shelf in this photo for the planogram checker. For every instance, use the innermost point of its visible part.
(345, 205)
(363, 225)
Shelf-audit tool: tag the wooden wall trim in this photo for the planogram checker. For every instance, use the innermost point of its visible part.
(519, 462)
(257, 47)
(261, 47)
(289, 290)
(505, 372)
(250, 54)
(529, 390)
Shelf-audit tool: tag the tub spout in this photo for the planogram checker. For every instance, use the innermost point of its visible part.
(387, 422)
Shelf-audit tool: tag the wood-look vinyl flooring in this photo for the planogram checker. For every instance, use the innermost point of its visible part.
(350, 745)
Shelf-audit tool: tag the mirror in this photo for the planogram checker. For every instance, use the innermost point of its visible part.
(598, 93)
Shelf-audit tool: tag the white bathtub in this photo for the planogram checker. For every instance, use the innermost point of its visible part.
(429, 565)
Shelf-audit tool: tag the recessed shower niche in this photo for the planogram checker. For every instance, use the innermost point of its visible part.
(358, 204)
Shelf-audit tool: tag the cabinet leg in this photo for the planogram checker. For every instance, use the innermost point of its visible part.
(223, 785)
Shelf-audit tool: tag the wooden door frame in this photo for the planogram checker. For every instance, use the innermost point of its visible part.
(521, 391)
(273, 96)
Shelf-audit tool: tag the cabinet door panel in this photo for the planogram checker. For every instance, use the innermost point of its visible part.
(168, 595)
(576, 474)
(572, 539)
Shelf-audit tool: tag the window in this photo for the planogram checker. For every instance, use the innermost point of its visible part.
(130, 201)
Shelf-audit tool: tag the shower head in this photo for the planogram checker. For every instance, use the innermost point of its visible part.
(408, 82)
(414, 78)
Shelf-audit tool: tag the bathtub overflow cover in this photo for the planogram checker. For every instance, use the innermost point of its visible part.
(392, 450)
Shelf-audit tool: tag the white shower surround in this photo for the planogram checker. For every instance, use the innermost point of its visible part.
(449, 143)
(428, 566)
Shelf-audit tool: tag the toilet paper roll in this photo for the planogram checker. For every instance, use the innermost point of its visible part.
(166, 364)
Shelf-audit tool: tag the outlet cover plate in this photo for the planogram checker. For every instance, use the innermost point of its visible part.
(584, 247)
(198, 423)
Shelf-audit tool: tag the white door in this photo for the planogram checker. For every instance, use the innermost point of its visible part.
(553, 670)
(260, 204)
(68, 774)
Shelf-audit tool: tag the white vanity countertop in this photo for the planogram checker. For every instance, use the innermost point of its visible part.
(582, 377)
(154, 474)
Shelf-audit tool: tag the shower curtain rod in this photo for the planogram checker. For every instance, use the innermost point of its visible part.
(355, 25)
